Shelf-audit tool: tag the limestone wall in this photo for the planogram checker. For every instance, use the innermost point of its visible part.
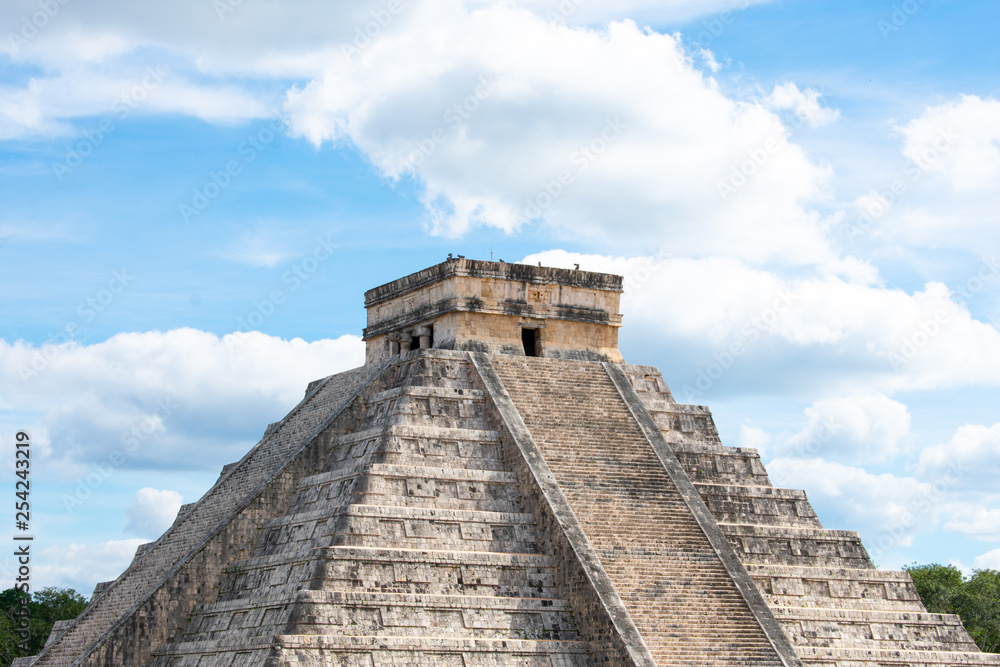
(152, 600)
(483, 306)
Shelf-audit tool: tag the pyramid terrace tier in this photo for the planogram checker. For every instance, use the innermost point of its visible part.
(397, 571)
(787, 545)
(348, 651)
(385, 614)
(880, 630)
(836, 588)
(758, 505)
(404, 527)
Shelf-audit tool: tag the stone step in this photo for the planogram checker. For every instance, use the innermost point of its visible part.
(796, 546)
(386, 614)
(416, 514)
(692, 421)
(389, 484)
(758, 505)
(648, 382)
(427, 446)
(428, 406)
(421, 391)
(437, 368)
(404, 527)
(838, 588)
(375, 651)
(419, 432)
(874, 629)
(733, 465)
(838, 657)
(396, 570)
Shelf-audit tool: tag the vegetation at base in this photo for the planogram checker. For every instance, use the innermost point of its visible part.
(46, 607)
(976, 599)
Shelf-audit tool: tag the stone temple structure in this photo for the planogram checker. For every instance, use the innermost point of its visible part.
(495, 486)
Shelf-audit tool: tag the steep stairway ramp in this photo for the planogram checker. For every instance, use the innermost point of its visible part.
(669, 575)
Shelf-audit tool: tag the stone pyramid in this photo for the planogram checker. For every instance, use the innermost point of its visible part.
(495, 486)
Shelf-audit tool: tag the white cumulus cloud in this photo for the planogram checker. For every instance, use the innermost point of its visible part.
(959, 140)
(975, 521)
(859, 429)
(804, 103)
(753, 437)
(843, 331)
(180, 398)
(80, 566)
(608, 132)
(949, 187)
(152, 512)
(972, 453)
(888, 510)
(988, 561)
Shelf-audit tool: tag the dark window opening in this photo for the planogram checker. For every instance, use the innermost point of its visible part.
(529, 339)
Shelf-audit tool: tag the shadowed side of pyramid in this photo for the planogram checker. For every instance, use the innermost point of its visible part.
(411, 547)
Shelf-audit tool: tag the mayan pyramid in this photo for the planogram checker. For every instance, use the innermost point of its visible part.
(495, 486)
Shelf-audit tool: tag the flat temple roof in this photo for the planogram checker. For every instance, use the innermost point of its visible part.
(494, 270)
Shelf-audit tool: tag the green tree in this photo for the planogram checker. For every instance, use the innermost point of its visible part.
(937, 585)
(978, 603)
(976, 600)
(45, 608)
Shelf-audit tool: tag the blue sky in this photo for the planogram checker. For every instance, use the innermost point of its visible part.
(801, 196)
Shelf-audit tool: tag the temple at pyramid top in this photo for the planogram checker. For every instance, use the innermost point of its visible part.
(496, 307)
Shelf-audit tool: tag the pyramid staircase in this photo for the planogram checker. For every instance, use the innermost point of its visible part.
(677, 590)
(837, 609)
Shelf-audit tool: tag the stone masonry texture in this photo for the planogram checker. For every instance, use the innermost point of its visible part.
(458, 501)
